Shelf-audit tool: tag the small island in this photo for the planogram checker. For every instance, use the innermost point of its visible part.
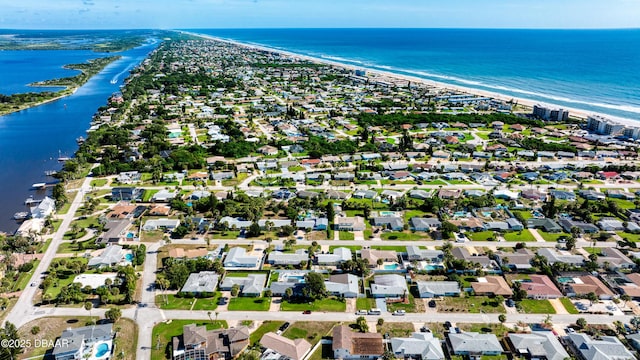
(17, 102)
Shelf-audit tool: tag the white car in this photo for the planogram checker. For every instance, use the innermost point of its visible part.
(399, 312)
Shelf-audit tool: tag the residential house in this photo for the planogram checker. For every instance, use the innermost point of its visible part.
(394, 223)
(164, 196)
(621, 194)
(343, 285)
(201, 283)
(282, 258)
(125, 193)
(351, 345)
(583, 285)
(610, 224)
(540, 287)
(632, 287)
(196, 342)
(251, 285)
(605, 348)
(568, 224)
(128, 177)
(471, 255)
(415, 253)
(425, 224)
(285, 348)
(122, 210)
(431, 289)
(160, 224)
(614, 259)
(159, 210)
(419, 194)
(473, 344)
(421, 345)
(470, 224)
(110, 256)
(520, 259)
(592, 195)
(554, 255)
(505, 194)
(449, 193)
(533, 194)
(545, 224)
(563, 195)
(348, 223)
(75, 344)
(339, 256)
(542, 345)
(390, 286)
(372, 256)
(115, 231)
(235, 222)
(492, 286)
(237, 257)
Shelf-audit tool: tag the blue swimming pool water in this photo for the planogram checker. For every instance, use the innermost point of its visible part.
(391, 267)
(430, 267)
(130, 235)
(565, 279)
(129, 257)
(102, 349)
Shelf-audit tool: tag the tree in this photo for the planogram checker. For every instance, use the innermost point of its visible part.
(581, 322)
(254, 230)
(502, 318)
(113, 314)
(88, 306)
(10, 333)
(380, 321)
(635, 322)
(59, 194)
(235, 289)
(314, 288)
(592, 297)
(288, 293)
(571, 243)
(361, 324)
(625, 298)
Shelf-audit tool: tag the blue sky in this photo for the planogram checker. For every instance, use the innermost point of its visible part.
(100, 14)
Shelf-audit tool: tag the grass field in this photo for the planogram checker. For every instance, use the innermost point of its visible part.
(330, 304)
(530, 306)
(480, 236)
(553, 237)
(365, 303)
(267, 326)
(568, 305)
(249, 304)
(524, 235)
(163, 333)
(312, 331)
(346, 235)
(395, 329)
(471, 304)
(406, 236)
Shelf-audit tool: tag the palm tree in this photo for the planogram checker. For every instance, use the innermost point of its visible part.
(88, 306)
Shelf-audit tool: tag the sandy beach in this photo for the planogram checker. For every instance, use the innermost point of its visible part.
(391, 77)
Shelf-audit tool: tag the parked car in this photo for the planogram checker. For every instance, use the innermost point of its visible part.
(307, 312)
(399, 313)
(447, 324)
(361, 312)
(432, 303)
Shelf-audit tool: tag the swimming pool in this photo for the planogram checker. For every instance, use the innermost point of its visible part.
(430, 267)
(130, 235)
(565, 279)
(102, 349)
(387, 213)
(129, 257)
(391, 266)
(460, 214)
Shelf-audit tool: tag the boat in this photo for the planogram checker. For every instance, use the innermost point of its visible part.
(64, 158)
(20, 215)
(80, 140)
(50, 172)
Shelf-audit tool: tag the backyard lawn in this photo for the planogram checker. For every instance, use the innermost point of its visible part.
(163, 332)
(177, 303)
(329, 304)
(249, 304)
(531, 306)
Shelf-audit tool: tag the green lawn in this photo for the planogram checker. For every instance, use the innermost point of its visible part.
(99, 182)
(531, 306)
(249, 304)
(177, 303)
(163, 333)
(329, 304)
(524, 235)
(409, 307)
(526, 215)
(471, 304)
(623, 204)
(353, 248)
(24, 277)
(553, 237)
(365, 303)
(480, 236)
(346, 235)
(629, 236)
(148, 194)
(568, 305)
(413, 213)
(396, 248)
(267, 326)
(406, 236)
(312, 331)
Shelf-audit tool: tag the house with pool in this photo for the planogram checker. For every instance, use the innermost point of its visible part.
(87, 342)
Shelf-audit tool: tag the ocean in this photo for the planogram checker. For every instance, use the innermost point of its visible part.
(591, 70)
(31, 140)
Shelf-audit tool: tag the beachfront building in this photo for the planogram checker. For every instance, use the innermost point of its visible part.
(550, 113)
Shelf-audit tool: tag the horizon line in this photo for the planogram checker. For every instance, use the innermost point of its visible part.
(329, 28)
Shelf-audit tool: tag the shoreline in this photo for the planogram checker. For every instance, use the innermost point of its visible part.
(523, 102)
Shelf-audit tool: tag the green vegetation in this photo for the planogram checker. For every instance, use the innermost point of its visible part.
(311, 331)
(481, 236)
(524, 235)
(249, 304)
(403, 236)
(531, 306)
(471, 304)
(568, 305)
(365, 303)
(346, 235)
(329, 304)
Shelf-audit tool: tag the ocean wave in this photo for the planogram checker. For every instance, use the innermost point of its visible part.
(340, 59)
